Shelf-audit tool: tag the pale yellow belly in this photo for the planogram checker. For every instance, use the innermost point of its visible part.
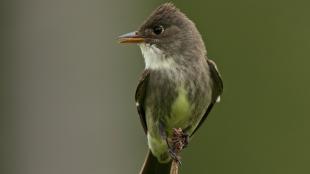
(179, 117)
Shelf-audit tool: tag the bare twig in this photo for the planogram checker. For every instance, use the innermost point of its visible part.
(174, 167)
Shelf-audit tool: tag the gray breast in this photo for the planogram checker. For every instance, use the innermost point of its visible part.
(163, 86)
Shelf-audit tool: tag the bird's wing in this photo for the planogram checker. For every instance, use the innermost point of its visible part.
(140, 95)
(217, 90)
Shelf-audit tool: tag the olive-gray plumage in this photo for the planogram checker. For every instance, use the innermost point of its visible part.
(179, 85)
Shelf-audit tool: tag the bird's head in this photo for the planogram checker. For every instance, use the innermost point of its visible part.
(167, 32)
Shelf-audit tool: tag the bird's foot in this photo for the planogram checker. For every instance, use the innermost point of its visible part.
(184, 139)
(178, 141)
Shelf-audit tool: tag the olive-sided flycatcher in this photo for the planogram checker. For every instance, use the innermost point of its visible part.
(179, 85)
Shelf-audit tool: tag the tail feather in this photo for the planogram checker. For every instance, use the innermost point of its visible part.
(152, 166)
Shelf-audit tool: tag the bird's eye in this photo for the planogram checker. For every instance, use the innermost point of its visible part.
(158, 29)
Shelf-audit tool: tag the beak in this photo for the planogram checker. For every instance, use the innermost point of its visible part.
(132, 37)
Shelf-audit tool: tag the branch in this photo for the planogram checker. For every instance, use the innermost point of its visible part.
(174, 167)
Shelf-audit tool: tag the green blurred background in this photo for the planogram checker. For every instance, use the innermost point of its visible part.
(67, 87)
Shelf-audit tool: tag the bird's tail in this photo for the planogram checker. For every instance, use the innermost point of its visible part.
(152, 166)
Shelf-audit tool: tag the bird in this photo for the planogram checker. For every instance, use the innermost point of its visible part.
(178, 86)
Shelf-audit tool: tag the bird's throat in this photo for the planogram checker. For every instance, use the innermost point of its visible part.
(155, 58)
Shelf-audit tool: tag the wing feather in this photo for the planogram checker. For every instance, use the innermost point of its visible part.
(217, 90)
(140, 96)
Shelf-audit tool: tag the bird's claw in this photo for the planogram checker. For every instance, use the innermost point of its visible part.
(178, 141)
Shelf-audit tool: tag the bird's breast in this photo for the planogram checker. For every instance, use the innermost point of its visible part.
(181, 109)
(172, 98)
(175, 98)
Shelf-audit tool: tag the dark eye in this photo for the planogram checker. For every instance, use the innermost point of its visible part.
(158, 29)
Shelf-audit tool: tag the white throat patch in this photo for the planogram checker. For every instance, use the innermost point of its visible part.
(154, 58)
